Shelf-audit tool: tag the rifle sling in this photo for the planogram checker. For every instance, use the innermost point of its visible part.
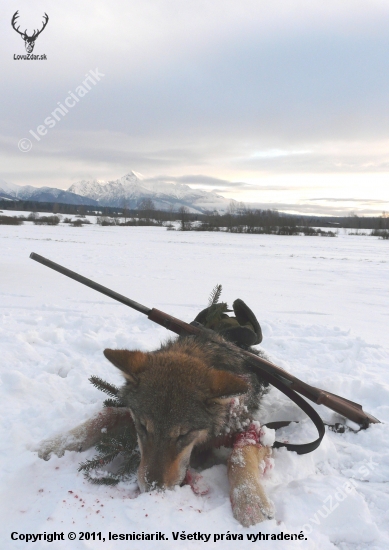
(302, 448)
(277, 382)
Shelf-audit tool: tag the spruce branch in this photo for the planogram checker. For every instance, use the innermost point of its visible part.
(113, 403)
(215, 295)
(111, 479)
(104, 386)
(98, 462)
(120, 443)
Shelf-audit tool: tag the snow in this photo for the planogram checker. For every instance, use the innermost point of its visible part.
(323, 305)
(267, 436)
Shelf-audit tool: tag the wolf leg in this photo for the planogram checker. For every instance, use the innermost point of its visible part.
(250, 504)
(87, 434)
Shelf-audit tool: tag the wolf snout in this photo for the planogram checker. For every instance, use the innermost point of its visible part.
(161, 476)
(146, 485)
(148, 482)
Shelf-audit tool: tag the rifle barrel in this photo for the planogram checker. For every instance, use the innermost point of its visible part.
(88, 282)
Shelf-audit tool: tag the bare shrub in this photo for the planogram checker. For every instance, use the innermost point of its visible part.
(47, 220)
(8, 220)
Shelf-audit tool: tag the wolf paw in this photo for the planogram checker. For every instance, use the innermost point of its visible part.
(52, 446)
(250, 508)
(48, 448)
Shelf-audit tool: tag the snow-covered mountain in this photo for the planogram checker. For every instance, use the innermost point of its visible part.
(129, 191)
(7, 190)
(11, 191)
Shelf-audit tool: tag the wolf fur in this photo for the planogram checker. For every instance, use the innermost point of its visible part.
(177, 399)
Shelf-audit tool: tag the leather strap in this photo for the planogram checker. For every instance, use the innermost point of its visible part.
(303, 448)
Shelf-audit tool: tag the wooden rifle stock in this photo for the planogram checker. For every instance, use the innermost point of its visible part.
(269, 372)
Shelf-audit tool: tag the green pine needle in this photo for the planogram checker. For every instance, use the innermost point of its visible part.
(121, 443)
(104, 480)
(97, 462)
(215, 295)
(113, 403)
(100, 384)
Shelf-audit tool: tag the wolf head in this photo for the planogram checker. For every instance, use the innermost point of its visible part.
(177, 401)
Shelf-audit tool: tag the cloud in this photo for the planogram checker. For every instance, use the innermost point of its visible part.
(349, 199)
(324, 156)
(276, 153)
(316, 210)
(200, 179)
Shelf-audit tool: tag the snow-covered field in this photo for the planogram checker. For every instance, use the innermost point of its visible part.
(323, 305)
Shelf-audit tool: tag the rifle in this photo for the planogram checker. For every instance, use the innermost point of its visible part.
(278, 377)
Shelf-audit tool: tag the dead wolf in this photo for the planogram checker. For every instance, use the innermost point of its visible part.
(179, 399)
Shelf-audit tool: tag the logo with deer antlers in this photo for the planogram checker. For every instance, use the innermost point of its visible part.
(29, 41)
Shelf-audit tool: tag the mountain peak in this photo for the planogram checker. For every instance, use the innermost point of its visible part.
(131, 188)
(127, 191)
(133, 175)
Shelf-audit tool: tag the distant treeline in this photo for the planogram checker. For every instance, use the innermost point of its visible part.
(40, 220)
(145, 209)
(239, 219)
(247, 220)
(57, 208)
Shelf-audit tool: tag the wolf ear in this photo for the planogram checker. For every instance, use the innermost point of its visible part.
(131, 363)
(224, 384)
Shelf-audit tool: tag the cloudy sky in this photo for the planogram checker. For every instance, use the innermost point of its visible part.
(282, 103)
